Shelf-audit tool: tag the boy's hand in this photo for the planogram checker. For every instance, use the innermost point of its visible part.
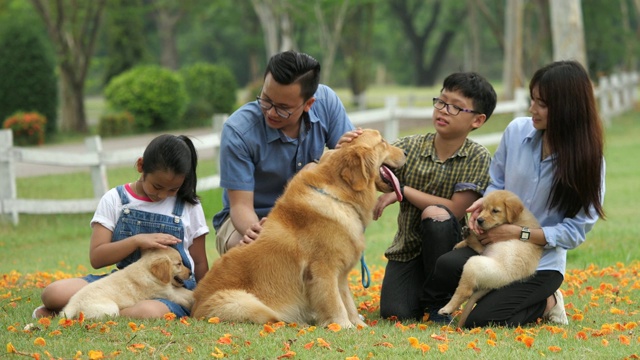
(383, 201)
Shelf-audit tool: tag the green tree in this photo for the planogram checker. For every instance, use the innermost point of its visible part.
(72, 27)
(125, 38)
(27, 73)
(211, 89)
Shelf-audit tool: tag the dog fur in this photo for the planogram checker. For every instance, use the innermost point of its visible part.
(297, 270)
(159, 273)
(500, 263)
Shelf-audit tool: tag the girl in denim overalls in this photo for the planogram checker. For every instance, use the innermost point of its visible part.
(160, 209)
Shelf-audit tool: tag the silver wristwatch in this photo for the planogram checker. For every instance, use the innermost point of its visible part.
(525, 234)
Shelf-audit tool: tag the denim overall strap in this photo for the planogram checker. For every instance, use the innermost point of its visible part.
(132, 222)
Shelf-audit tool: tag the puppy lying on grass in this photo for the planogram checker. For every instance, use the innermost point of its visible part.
(159, 273)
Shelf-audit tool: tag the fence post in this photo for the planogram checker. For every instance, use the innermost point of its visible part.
(8, 190)
(218, 122)
(521, 96)
(391, 127)
(98, 171)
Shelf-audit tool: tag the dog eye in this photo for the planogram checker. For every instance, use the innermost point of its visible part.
(495, 211)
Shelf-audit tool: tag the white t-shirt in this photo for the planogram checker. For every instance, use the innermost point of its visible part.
(193, 220)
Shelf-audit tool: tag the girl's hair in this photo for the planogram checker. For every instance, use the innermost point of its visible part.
(293, 67)
(575, 136)
(175, 154)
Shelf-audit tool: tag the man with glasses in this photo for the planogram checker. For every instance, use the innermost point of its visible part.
(444, 174)
(267, 141)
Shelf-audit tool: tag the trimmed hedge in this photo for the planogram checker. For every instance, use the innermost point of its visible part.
(155, 96)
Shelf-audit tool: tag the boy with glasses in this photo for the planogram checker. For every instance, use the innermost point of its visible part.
(444, 174)
(267, 141)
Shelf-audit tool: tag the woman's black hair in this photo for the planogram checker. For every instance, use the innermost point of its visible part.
(178, 155)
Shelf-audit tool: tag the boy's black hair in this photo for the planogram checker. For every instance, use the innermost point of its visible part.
(293, 67)
(475, 87)
(178, 155)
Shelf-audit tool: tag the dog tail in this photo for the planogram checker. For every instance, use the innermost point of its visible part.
(235, 305)
(477, 295)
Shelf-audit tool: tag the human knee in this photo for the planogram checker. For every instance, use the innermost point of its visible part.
(436, 213)
(145, 310)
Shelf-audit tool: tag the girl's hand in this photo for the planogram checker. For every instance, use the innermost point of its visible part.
(475, 210)
(383, 201)
(156, 241)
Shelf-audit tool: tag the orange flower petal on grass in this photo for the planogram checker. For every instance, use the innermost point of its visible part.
(322, 342)
(414, 342)
(334, 327)
(555, 348)
(11, 349)
(44, 321)
(169, 316)
(581, 335)
(287, 355)
(226, 339)
(443, 347)
(96, 355)
(624, 340)
(218, 354)
(214, 320)
(577, 317)
(39, 341)
(309, 345)
(384, 344)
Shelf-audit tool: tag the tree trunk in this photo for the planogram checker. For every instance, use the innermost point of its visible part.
(568, 31)
(73, 29)
(166, 24)
(512, 68)
(72, 111)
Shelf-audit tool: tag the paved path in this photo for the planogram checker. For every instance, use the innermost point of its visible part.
(108, 144)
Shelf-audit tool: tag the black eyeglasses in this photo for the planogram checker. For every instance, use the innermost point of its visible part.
(451, 109)
(267, 105)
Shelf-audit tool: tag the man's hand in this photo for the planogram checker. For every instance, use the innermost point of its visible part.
(348, 137)
(252, 232)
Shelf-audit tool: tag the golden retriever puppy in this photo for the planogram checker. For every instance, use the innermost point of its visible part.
(297, 270)
(159, 273)
(499, 263)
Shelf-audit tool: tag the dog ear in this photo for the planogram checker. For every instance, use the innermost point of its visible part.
(357, 167)
(161, 269)
(513, 208)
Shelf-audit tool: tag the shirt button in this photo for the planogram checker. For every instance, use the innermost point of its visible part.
(299, 164)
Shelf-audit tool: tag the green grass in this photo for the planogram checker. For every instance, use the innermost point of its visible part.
(601, 287)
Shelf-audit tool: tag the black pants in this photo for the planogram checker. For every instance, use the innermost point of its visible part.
(513, 305)
(404, 282)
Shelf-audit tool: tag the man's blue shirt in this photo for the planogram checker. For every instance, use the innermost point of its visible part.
(255, 157)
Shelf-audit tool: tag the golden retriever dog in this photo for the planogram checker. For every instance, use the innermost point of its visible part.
(500, 263)
(159, 273)
(297, 270)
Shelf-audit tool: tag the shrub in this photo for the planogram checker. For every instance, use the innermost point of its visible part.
(212, 90)
(28, 128)
(28, 79)
(116, 124)
(154, 95)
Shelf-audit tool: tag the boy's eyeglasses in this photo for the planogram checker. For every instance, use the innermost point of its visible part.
(451, 109)
(267, 105)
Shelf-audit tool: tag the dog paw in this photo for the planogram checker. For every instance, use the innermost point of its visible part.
(445, 311)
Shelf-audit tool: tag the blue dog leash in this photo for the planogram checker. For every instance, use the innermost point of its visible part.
(366, 276)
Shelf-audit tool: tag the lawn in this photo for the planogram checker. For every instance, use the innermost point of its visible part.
(601, 290)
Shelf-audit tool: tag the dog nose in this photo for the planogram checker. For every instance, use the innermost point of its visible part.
(480, 220)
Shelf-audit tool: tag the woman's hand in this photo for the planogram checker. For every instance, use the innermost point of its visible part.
(475, 210)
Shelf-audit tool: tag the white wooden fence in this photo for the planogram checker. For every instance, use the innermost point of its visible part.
(616, 94)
